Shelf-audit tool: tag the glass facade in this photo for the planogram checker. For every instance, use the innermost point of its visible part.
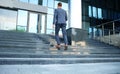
(8, 21)
(22, 20)
(27, 20)
(51, 5)
(33, 22)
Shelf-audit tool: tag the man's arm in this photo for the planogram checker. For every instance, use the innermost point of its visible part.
(54, 18)
(66, 16)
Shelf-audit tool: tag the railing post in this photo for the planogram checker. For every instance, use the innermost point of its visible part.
(113, 28)
(109, 37)
(103, 30)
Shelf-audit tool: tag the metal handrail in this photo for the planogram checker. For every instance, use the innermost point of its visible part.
(108, 22)
(113, 35)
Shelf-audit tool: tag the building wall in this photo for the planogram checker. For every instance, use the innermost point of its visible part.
(34, 16)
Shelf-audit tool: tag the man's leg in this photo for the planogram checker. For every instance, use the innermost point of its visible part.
(65, 35)
(57, 28)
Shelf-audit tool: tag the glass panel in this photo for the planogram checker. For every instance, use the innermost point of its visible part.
(33, 1)
(50, 3)
(8, 21)
(90, 32)
(104, 14)
(24, 1)
(56, 2)
(95, 12)
(49, 21)
(99, 13)
(21, 28)
(33, 22)
(43, 2)
(22, 17)
(65, 6)
(50, 31)
(90, 11)
(50, 11)
(22, 20)
(43, 26)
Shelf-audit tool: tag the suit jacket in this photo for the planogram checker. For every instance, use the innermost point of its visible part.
(60, 16)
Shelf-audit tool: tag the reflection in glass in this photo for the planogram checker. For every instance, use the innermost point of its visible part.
(90, 11)
(50, 3)
(65, 6)
(33, 22)
(7, 21)
(95, 12)
(99, 13)
(50, 11)
(104, 13)
(50, 31)
(56, 2)
(21, 28)
(49, 21)
(33, 2)
(24, 1)
(43, 26)
(22, 17)
(43, 2)
(22, 20)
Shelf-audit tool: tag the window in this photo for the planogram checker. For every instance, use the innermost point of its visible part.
(104, 14)
(22, 20)
(24, 1)
(50, 11)
(65, 6)
(49, 21)
(50, 3)
(7, 21)
(100, 13)
(33, 1)
(90, 11)
(22, 17)
(42, 2)
(95, 12)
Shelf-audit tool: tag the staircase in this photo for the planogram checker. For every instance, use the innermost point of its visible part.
(30, 48)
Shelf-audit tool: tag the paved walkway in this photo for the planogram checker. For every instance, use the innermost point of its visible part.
(91, 68)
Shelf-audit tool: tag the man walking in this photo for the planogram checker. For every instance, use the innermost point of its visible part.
(59, 21)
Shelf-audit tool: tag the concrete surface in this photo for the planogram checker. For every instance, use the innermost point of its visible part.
(91, 68)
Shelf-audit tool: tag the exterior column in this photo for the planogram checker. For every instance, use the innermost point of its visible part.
(75, 18)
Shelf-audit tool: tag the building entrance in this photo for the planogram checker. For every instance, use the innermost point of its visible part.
(36, 23)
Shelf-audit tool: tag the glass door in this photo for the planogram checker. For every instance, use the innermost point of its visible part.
(37, 23)
(33, 22)
(8, 19)
(43, 24)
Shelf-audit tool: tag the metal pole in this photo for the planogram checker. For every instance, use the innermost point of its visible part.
(28, 19)
(103, 30)
(109, 37)
(113, 28)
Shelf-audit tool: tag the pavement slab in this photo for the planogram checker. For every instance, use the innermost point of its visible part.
(87, 68)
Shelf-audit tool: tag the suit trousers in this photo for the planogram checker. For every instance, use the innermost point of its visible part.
(57, 29)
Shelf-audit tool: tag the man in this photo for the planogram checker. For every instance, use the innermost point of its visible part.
(59, 21)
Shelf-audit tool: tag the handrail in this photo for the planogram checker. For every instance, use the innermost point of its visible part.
(110, 36)
(108, 22)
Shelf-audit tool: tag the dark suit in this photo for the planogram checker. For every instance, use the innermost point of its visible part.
(60, 18)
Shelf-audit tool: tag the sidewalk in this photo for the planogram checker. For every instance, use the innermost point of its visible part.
(91, 68)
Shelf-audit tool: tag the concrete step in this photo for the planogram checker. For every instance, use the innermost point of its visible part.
(37, 55)
(15, 37)
(22, 42)
(14, 61)
(19, 40)
(22, 46)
